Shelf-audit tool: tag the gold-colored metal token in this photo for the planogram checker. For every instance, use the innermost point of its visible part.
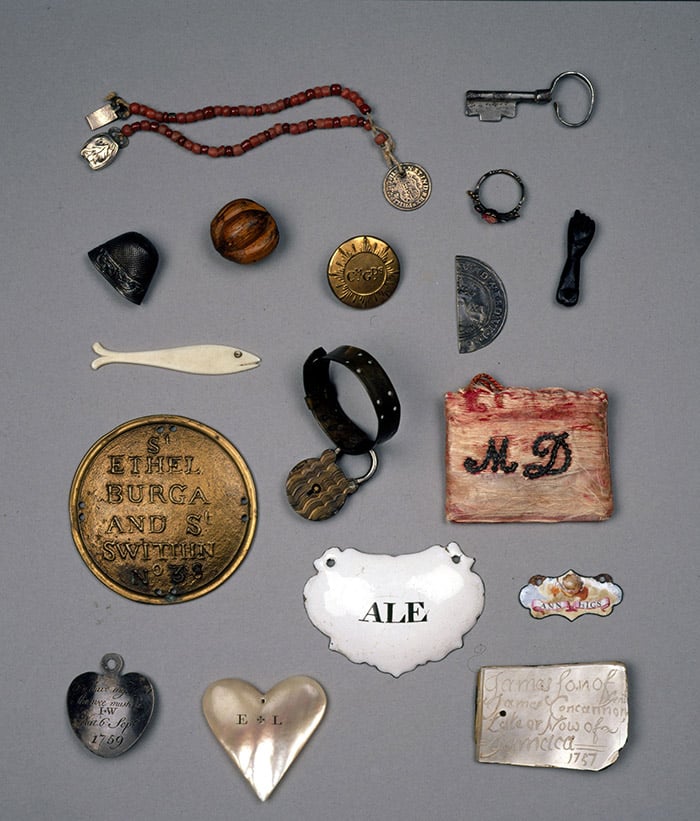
(163, 509)
(363, 272)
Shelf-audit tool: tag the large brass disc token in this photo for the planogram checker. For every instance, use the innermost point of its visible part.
(363, 272)
(163, 509)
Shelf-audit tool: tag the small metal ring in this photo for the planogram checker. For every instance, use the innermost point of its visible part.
(490, 215)
(112, 664)
(119, 104)
(120, 139)
(587, 83)
(371, 470)
(374, 462)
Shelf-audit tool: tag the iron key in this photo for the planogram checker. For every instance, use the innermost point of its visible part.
(492, 106)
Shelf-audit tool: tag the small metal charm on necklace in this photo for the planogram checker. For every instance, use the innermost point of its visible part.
(407, 186)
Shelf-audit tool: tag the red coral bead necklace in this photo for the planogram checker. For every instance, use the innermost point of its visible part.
(406, 186)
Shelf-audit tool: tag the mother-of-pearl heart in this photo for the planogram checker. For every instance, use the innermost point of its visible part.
(264, 733)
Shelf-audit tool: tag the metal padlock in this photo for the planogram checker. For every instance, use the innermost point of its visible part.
(317, 487)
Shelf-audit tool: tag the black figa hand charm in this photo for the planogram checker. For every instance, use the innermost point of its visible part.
(581, 231)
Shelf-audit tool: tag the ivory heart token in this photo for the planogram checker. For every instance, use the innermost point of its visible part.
(108, 711)
(264, 733)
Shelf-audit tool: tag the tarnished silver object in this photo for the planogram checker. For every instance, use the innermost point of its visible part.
(263, 733)
(491, 106)
(115, 108)
(407, 186)
(100, 150)
(573, 716)
(128, 262)
(490, 215)
(482, 305)
(109, 711)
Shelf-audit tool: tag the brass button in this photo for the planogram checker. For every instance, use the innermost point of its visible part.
(363, 272)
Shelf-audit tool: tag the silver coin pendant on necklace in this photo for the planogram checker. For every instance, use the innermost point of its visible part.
(407, 186)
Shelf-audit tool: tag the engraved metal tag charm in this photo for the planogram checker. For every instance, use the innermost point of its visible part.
(264, 733)
(570, 595)
(115, 108)
(100, 150)
(108, 711)
(394, 612)
(317, 488)
(572, 716)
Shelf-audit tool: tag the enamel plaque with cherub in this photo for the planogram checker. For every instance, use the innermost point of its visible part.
(394, 612)
(570, 595)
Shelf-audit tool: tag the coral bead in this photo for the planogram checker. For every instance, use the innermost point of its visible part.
(244, 232)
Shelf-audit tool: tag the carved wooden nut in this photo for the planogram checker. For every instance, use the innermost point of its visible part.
(244, 232)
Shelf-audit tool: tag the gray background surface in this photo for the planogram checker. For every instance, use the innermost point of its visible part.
(388, 748)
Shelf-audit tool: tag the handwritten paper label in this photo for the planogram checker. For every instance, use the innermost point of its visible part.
(562, 715)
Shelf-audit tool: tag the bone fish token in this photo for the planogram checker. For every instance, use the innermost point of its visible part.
(199, 359)
(263, 733)
(163, 509)
(108, 711)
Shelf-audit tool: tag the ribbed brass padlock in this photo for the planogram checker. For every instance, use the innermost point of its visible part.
(317, 488)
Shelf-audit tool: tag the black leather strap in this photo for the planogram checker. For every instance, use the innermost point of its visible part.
(322, 398)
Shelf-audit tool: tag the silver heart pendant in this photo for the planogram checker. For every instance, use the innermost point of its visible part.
(108, 711)
(264, 732)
